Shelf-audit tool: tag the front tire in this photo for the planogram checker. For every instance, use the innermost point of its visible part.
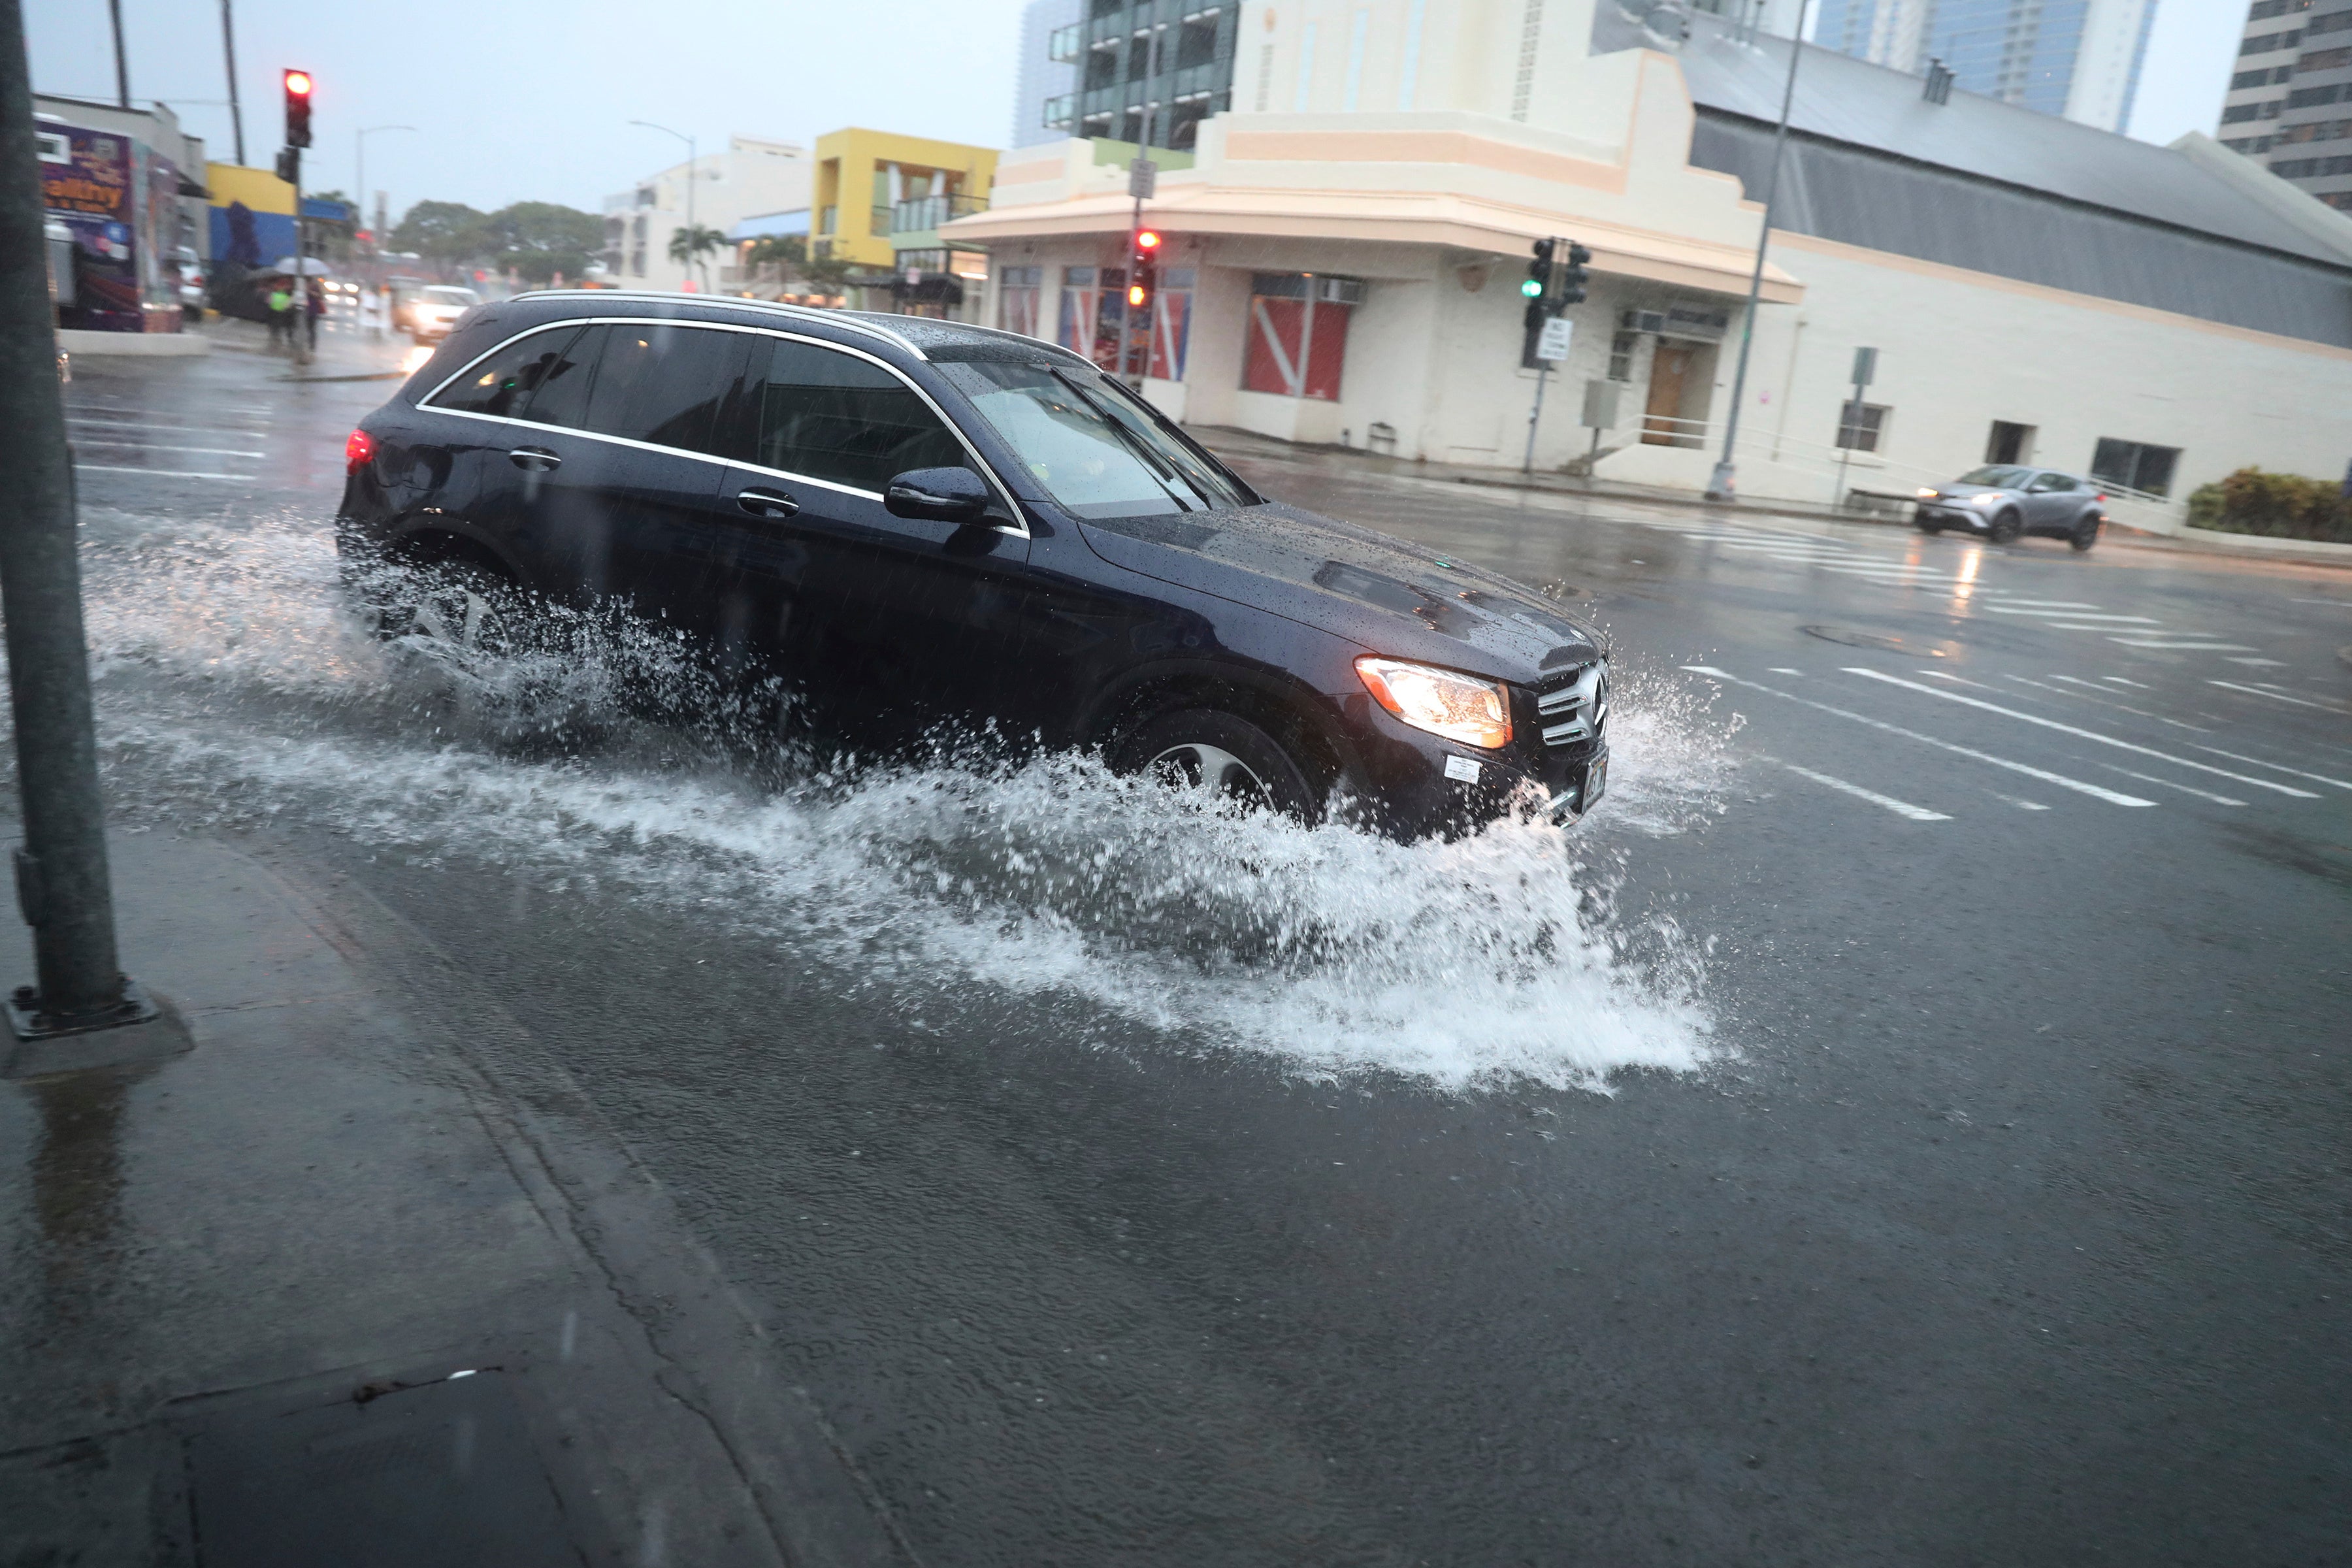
(2006, 527)
(1221, 753)
(1929, 526)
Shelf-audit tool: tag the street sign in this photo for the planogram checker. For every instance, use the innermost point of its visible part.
(1142, 177)
(1866, 366)
(1551, 344)
(1600, 405)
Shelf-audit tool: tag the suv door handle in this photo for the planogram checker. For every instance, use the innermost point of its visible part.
(534, 459)
(767, 503)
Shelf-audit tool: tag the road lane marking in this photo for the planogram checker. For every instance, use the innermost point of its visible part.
(2176, 647)
(2021, 804)
(2098, 790)
(2168, 784)
(148, 446)
(2276, 696)
(151, 425)
(2077, 626)
(2007, 603)
(2077, 730)
(157, 473)
(2119, 680)
(2103, 701)
(2076, 616)
(1899, 807)
(2276, 767)
(2257, 663)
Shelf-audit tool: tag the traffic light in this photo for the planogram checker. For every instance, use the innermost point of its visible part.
(290, 165)
(1143, 268)
(1537, 285)
(1572, 280)
(298, 109)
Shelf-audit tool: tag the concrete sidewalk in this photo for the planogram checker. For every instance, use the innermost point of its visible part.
(360, 1279)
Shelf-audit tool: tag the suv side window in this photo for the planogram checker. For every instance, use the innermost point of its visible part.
(562, 396)
(2046, 483)
(664, 384)
(833, 417)
(503, 385)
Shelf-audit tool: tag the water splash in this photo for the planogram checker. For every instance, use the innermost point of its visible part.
(238, 687)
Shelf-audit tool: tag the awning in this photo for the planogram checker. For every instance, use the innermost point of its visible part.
(1409, 217)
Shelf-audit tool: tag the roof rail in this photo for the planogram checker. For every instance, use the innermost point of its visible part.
(799, 312)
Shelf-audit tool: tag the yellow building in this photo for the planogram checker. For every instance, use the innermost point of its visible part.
(875, 191)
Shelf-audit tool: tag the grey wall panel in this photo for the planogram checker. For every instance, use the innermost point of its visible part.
(1857, 197)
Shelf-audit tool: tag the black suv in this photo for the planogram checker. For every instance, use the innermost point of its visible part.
(917, 522)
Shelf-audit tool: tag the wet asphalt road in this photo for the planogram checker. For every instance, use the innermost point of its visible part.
(2008, 1220)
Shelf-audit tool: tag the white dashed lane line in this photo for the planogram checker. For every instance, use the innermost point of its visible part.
(2092, 735)
(1899, 807)
(2080, 786)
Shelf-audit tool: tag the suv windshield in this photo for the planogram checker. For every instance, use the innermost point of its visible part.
(1095, 447)
(1998, 476)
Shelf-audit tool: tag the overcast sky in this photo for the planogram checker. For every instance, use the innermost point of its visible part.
(533, 103)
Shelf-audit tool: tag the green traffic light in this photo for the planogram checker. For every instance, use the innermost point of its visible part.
(1532, 289)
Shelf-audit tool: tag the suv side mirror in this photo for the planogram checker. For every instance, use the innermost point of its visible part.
(942, 495)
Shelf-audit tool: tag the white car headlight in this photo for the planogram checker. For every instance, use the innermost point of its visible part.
(1987, 500)
(1457, 706)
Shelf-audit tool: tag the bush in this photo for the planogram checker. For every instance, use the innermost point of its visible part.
(2283, 506)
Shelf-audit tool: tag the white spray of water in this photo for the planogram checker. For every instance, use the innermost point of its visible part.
(1495, 957)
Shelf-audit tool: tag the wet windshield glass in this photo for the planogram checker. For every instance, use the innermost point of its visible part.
(1093, 446)
(1998, 475)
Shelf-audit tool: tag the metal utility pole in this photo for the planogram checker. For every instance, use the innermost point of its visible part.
(1142, 181)
(693, 172)
(228, 53)
(1720, 485)
(121, 60)
(62, 881)
(359, 173)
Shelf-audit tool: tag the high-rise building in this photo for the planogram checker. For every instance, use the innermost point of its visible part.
(1123, 61)
(2078, 58)
(2289, 105)
(1043, 84)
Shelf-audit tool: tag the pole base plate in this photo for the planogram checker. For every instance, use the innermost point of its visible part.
(143, 1028)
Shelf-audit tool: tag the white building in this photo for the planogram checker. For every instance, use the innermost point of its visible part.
(752, 178)
(1344, 257)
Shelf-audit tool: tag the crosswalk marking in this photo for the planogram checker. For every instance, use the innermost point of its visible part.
(2081, 786)
(2076, 616)
(2074, 729)
(2168, 784)
(1899, 807)
(2276, 767)
(156, 473)
(2276, 696)
(2183, 647)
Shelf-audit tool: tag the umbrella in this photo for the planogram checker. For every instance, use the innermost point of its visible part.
(308, 267)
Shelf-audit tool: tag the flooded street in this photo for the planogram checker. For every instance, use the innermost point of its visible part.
(1792, 1163)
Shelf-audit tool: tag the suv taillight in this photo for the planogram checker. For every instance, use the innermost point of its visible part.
(359, 450)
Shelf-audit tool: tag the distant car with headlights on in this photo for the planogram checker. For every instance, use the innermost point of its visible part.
(2005, 501)
(427, 314)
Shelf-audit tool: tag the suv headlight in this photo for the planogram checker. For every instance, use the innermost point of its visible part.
(1457, 706)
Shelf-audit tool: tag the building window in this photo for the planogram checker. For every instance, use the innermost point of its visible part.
(1171, 324)
(1621, 355)
(2324, 60)
(1196, 45)
(1862, 427)
(2264, 10)
(1298, 334)
(1064, 45)
(2334, 22)
(1017, 294)
(2135, 465)
(1060, 111)
(2270, 43)
(2340, 200)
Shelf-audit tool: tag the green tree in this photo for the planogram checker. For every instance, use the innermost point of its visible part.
(688, 245)
(445, 231)
(539, 240)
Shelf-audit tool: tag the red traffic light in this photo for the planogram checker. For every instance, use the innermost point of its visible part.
(298, 84)
(298, 109)
(1146, 240)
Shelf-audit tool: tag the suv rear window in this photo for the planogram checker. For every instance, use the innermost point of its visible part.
(502, 384)
(663, 385)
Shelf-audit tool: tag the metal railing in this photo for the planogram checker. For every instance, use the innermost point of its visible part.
(926, 213)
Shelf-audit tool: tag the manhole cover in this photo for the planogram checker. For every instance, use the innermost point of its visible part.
(1873, 639)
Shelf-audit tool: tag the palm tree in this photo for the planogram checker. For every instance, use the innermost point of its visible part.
(688, 245)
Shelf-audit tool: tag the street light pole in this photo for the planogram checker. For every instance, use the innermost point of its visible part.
(62, 880)
(121, 60)
(692, 173)
(1720, 484)
(228, 51)
(359, 175)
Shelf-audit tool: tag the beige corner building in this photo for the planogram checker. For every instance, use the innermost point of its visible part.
(1347, 243)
